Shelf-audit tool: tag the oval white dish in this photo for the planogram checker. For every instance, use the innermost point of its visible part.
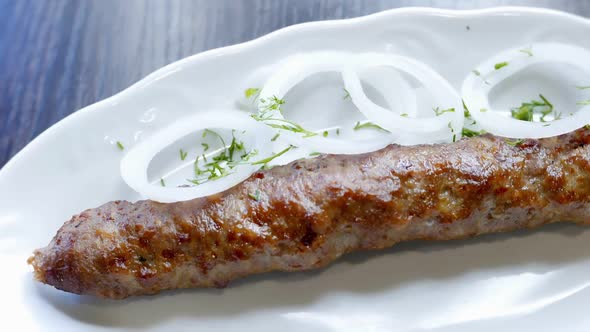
(519, 281)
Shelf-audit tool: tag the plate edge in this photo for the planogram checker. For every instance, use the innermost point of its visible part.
(365, 19)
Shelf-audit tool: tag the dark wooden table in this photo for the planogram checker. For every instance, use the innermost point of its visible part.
(57, 56)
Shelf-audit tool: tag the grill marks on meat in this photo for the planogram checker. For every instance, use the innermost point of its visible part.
(310, 212)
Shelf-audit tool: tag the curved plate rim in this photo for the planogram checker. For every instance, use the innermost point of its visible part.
(203, 56)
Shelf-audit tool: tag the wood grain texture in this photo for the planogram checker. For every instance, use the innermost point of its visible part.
(57, 56)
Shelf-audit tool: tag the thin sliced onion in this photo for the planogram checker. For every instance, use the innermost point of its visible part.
(293, 71)
(446, 127)
(396, 91)
(399, 95)
(134, 164)
(477, 86)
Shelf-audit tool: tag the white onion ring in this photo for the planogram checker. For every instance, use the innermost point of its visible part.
(294, 70)
(475, 91)
(442, 91)
(399, 95)
(418, 127)
(135, 163)
(396, 91)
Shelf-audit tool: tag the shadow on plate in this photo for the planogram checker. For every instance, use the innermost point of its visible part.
(360, 273)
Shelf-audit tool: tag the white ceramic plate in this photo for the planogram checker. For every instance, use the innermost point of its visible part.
(520, 281)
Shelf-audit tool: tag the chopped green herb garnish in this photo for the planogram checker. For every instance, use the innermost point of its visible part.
(233, 147)
(522, 113)
(346, 94)
(405, 115)
(466, 112)
(221, 164)
(251, 92)
(269, 159)
(286, 125)
(183, 154)
(466, 132)
(546, 101)
(440, 112)
(272, 104)
(360, 125)
(194, 181)
(587, 127)
(247, 156)
(528, 51)
(500, 65)
(266, 114)
(526, 110)
(337, 131)
(274, 138)
(162, 183)
(313, 154)
(197, 170)
(120, 145)
(450, 125)
(205, 146)
(583, 103)
(483, 110)
(255, 196)
(546, 125)
(325, 134)
(214, 133)
(583, 87)
(514, 142)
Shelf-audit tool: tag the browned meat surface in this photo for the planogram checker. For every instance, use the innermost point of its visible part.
(310, 212)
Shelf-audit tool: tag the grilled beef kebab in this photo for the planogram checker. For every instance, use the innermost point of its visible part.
(306, 214)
